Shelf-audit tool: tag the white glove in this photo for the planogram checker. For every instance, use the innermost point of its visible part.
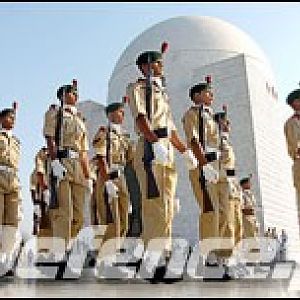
(210, 174)
(191, 160)
(37, 211)
(232, 187)
(177, 205)
(111, 189)
(216, 151)
(129, 208)
(59, 170)
(160, 153)
(46, 194)
(89, 185)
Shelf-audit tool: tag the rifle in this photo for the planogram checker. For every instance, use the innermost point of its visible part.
(109, 215)
(207, 204)
(53, 180)
(152, 188)
(221, 141)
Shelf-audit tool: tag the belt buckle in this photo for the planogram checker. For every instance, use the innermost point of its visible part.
(72, 154)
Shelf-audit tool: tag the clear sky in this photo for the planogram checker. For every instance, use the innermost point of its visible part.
(44, 45)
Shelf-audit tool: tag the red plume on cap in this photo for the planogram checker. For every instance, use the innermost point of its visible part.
(15, 106)
(75, 83)
(225, 107)
(164, 47)
(208, 79)
(125, 99)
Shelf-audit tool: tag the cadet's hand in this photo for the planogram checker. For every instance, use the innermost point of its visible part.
(37, 211)
(191, 160)
(89, 184)
(111, 189)
(46, 194)
(129, 208)
(210, 174)
(87, 175)
(177, 205)
(59, 170)
(160, 153)
(215, 153)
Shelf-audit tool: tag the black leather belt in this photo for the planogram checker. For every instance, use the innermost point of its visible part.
(230, 172)
(67, 153)
(211, 156)
(113, 175)
(161, 132)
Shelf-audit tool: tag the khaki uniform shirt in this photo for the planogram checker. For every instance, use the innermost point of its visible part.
(161, 112)
(121, 148)
(74, 137)
(191, 121)
(74, 131)
(9, 150)
(228, 156)
(248, 200)
(292, 134)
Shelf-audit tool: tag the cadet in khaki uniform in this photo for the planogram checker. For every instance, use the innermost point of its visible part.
(9, 181)
(94, 206)
(114, 151)
(40, 183)
(202, 96)
(230, 213)
(292, 134)
(250, 229)
(156, 129)
(35, 202)
(69, 162)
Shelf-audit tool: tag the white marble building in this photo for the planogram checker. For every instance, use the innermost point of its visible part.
(242, 79)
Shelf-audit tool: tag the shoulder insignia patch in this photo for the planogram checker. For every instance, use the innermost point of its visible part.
(53, 107)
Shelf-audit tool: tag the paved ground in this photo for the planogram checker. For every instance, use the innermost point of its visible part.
(184, 289)
(89, 286)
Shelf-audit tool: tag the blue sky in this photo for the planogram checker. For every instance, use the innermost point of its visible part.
(44, 45)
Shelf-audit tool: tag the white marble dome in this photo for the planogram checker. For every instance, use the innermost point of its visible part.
(194, 41)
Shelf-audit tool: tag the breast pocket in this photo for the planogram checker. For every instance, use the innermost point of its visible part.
(3, 146)
(296, 174)
(69, 128)
(15, 154)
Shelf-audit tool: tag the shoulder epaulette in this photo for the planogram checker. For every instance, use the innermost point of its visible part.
(53, 107)
(81, 116)
(97, 138)
(17, 140)
(126, 135)
(141, 80)
(102, 129)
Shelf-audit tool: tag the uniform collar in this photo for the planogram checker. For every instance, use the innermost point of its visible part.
(159, 83)
(225, 135)
(116, 127)
(71, 108)
(5, 131)
(297, 115)
(207, 109)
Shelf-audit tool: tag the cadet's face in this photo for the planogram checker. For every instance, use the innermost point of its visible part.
(71, 98)
(296, 105)
(197, 98)
(225, 125)
(157, 68)
(8, 122)
(117, 116)
(246, 186)
(207, 97)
